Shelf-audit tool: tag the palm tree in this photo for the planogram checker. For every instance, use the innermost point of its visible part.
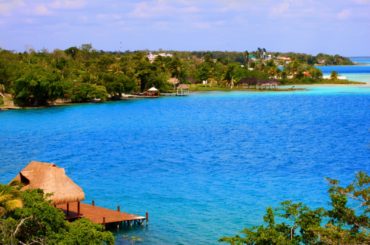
(9, 199)
(334, 75)
(246, 58)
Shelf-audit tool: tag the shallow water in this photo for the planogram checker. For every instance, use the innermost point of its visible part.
(205, 165)
(359, 72)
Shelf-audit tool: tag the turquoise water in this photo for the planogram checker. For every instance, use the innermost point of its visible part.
(203, 166)
(359, 72)
(361, 60)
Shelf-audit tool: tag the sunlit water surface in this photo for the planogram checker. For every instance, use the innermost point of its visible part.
(203, 166)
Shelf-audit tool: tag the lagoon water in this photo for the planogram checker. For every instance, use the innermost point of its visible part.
(359, 72)
(205, 165)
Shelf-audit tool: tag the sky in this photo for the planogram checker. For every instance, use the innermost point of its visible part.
(306, 26)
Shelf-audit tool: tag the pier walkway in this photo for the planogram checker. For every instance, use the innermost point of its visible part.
(100, 215)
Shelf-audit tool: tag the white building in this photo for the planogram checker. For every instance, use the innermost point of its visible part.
(151, 57)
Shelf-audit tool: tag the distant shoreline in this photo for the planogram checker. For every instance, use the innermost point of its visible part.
(283, 88)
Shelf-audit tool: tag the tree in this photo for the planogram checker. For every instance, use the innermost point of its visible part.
(333, 75)
(72, 51)
(80, 232)
(9, 199)
(37, 86)
(84, 92)
(38, 222)
(344, 223)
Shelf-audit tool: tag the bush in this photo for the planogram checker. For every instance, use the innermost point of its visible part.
(346, 222)
(40, 223)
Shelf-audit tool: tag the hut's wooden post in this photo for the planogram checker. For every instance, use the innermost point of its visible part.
(93, 203)
(146, 217)
(118, 208)
(103, 220)
(67, 208)
(78, 208)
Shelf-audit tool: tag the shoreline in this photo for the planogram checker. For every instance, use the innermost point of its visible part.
(283, 88)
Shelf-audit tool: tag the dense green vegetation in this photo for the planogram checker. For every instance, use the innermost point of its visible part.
(85, 74)
(27, 218)
(346, 221)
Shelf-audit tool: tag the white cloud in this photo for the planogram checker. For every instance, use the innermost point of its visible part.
(344, 14)
(362, 2)
(202, 25)
(281, 8)
(8, 6)
(67, 4)
(42, 10)
(160, 8)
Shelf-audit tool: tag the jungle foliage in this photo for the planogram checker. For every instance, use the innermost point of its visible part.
(345, 221)
(27, 218)
(81, 74)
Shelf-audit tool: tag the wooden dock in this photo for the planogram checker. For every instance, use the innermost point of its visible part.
(100, 215)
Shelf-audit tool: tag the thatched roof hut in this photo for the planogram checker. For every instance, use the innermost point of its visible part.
(248, 81)
(182, 89)
(52, 180)
(183, 86)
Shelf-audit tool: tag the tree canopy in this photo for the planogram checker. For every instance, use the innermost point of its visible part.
(80, 74)
(345, 221)
(27, 218)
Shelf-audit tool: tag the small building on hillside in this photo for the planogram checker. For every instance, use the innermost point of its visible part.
(151, 57)
(182, 90)
(284, 59)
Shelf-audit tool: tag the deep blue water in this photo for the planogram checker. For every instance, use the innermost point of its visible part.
(345, 69)
(204, 166)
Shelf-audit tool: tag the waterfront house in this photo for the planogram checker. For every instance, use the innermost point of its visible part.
(66, 195)
(182, 89)
(268, 84)
(153, 91)
(248, 82)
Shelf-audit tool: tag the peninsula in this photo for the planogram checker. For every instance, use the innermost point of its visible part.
(83, 74)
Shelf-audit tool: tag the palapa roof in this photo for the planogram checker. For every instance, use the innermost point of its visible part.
(52, 180)
(153, 89)
(183, 86)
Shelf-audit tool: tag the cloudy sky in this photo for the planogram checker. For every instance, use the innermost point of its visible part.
(311, 26)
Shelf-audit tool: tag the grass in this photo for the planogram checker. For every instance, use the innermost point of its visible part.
(318, 81)
(286, 82)
(206, 88)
